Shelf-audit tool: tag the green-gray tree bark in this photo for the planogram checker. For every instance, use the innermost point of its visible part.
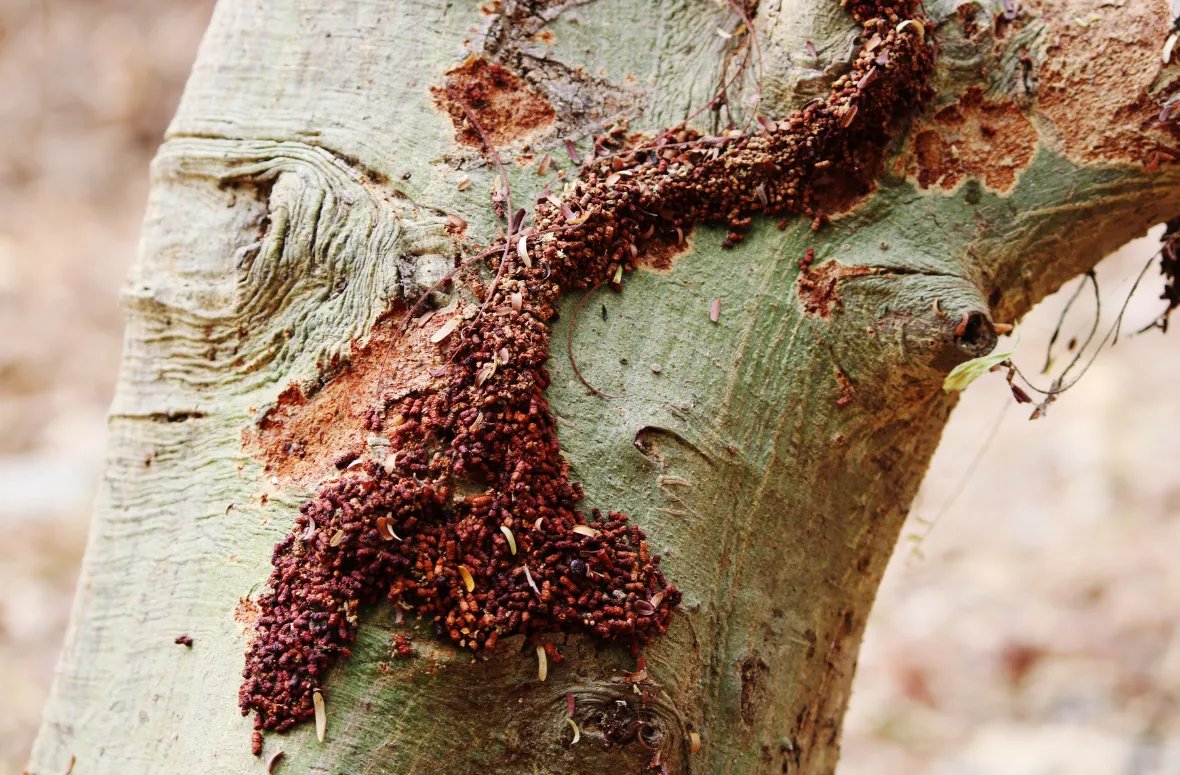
(302, 192)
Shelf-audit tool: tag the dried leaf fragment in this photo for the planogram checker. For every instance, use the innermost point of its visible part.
(542, 663)
(517, 301)
(918, 28)
(577, 732)
(272, 760)
(573, 152)
(337, 537)
(310, 529)
(965, 373)
(715, 310)
(456, 222)
(585, 530)
(321, 715)
(468, 581)
(529, 578)
(386, 530)
(576, 220)
(464, 182)
(446, 330)
(511, 538)
(1169, 46)
(543, 167)
(694, 742)
(522, 250)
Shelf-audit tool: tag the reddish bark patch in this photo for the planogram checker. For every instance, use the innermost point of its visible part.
(246, 614)
(1095, 82)
(503, 104)
(659, 255)
(847, 389)
(819, 287)
(990, 141)
(305, 440)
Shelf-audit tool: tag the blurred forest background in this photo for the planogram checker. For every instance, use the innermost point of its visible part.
(1032, 630)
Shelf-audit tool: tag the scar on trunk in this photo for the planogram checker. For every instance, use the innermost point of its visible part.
(505, 106)
(819, 286)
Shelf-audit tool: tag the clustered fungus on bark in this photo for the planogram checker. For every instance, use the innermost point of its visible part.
(517, 557)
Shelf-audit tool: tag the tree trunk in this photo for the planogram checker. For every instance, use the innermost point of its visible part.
(770, 455)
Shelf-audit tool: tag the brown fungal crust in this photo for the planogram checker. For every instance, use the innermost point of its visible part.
(503, 104)
(478, 451)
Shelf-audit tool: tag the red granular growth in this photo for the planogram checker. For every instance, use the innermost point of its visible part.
(402, 648)
(401, 531)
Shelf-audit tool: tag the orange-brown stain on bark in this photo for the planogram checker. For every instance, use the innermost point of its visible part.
(308, 439)
(659, 255)
(973, 138)
(503, 104)
(1101, 63)
(819, 287)
(246, 614)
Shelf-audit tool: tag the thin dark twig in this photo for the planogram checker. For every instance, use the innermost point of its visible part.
(445, 279)
(1056, 388)
(569, 344)
(1060, 322)
(1093, 329)
(758, 52)
(655, 142)
(672, 130)
(1127, 301)
(491, 150)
